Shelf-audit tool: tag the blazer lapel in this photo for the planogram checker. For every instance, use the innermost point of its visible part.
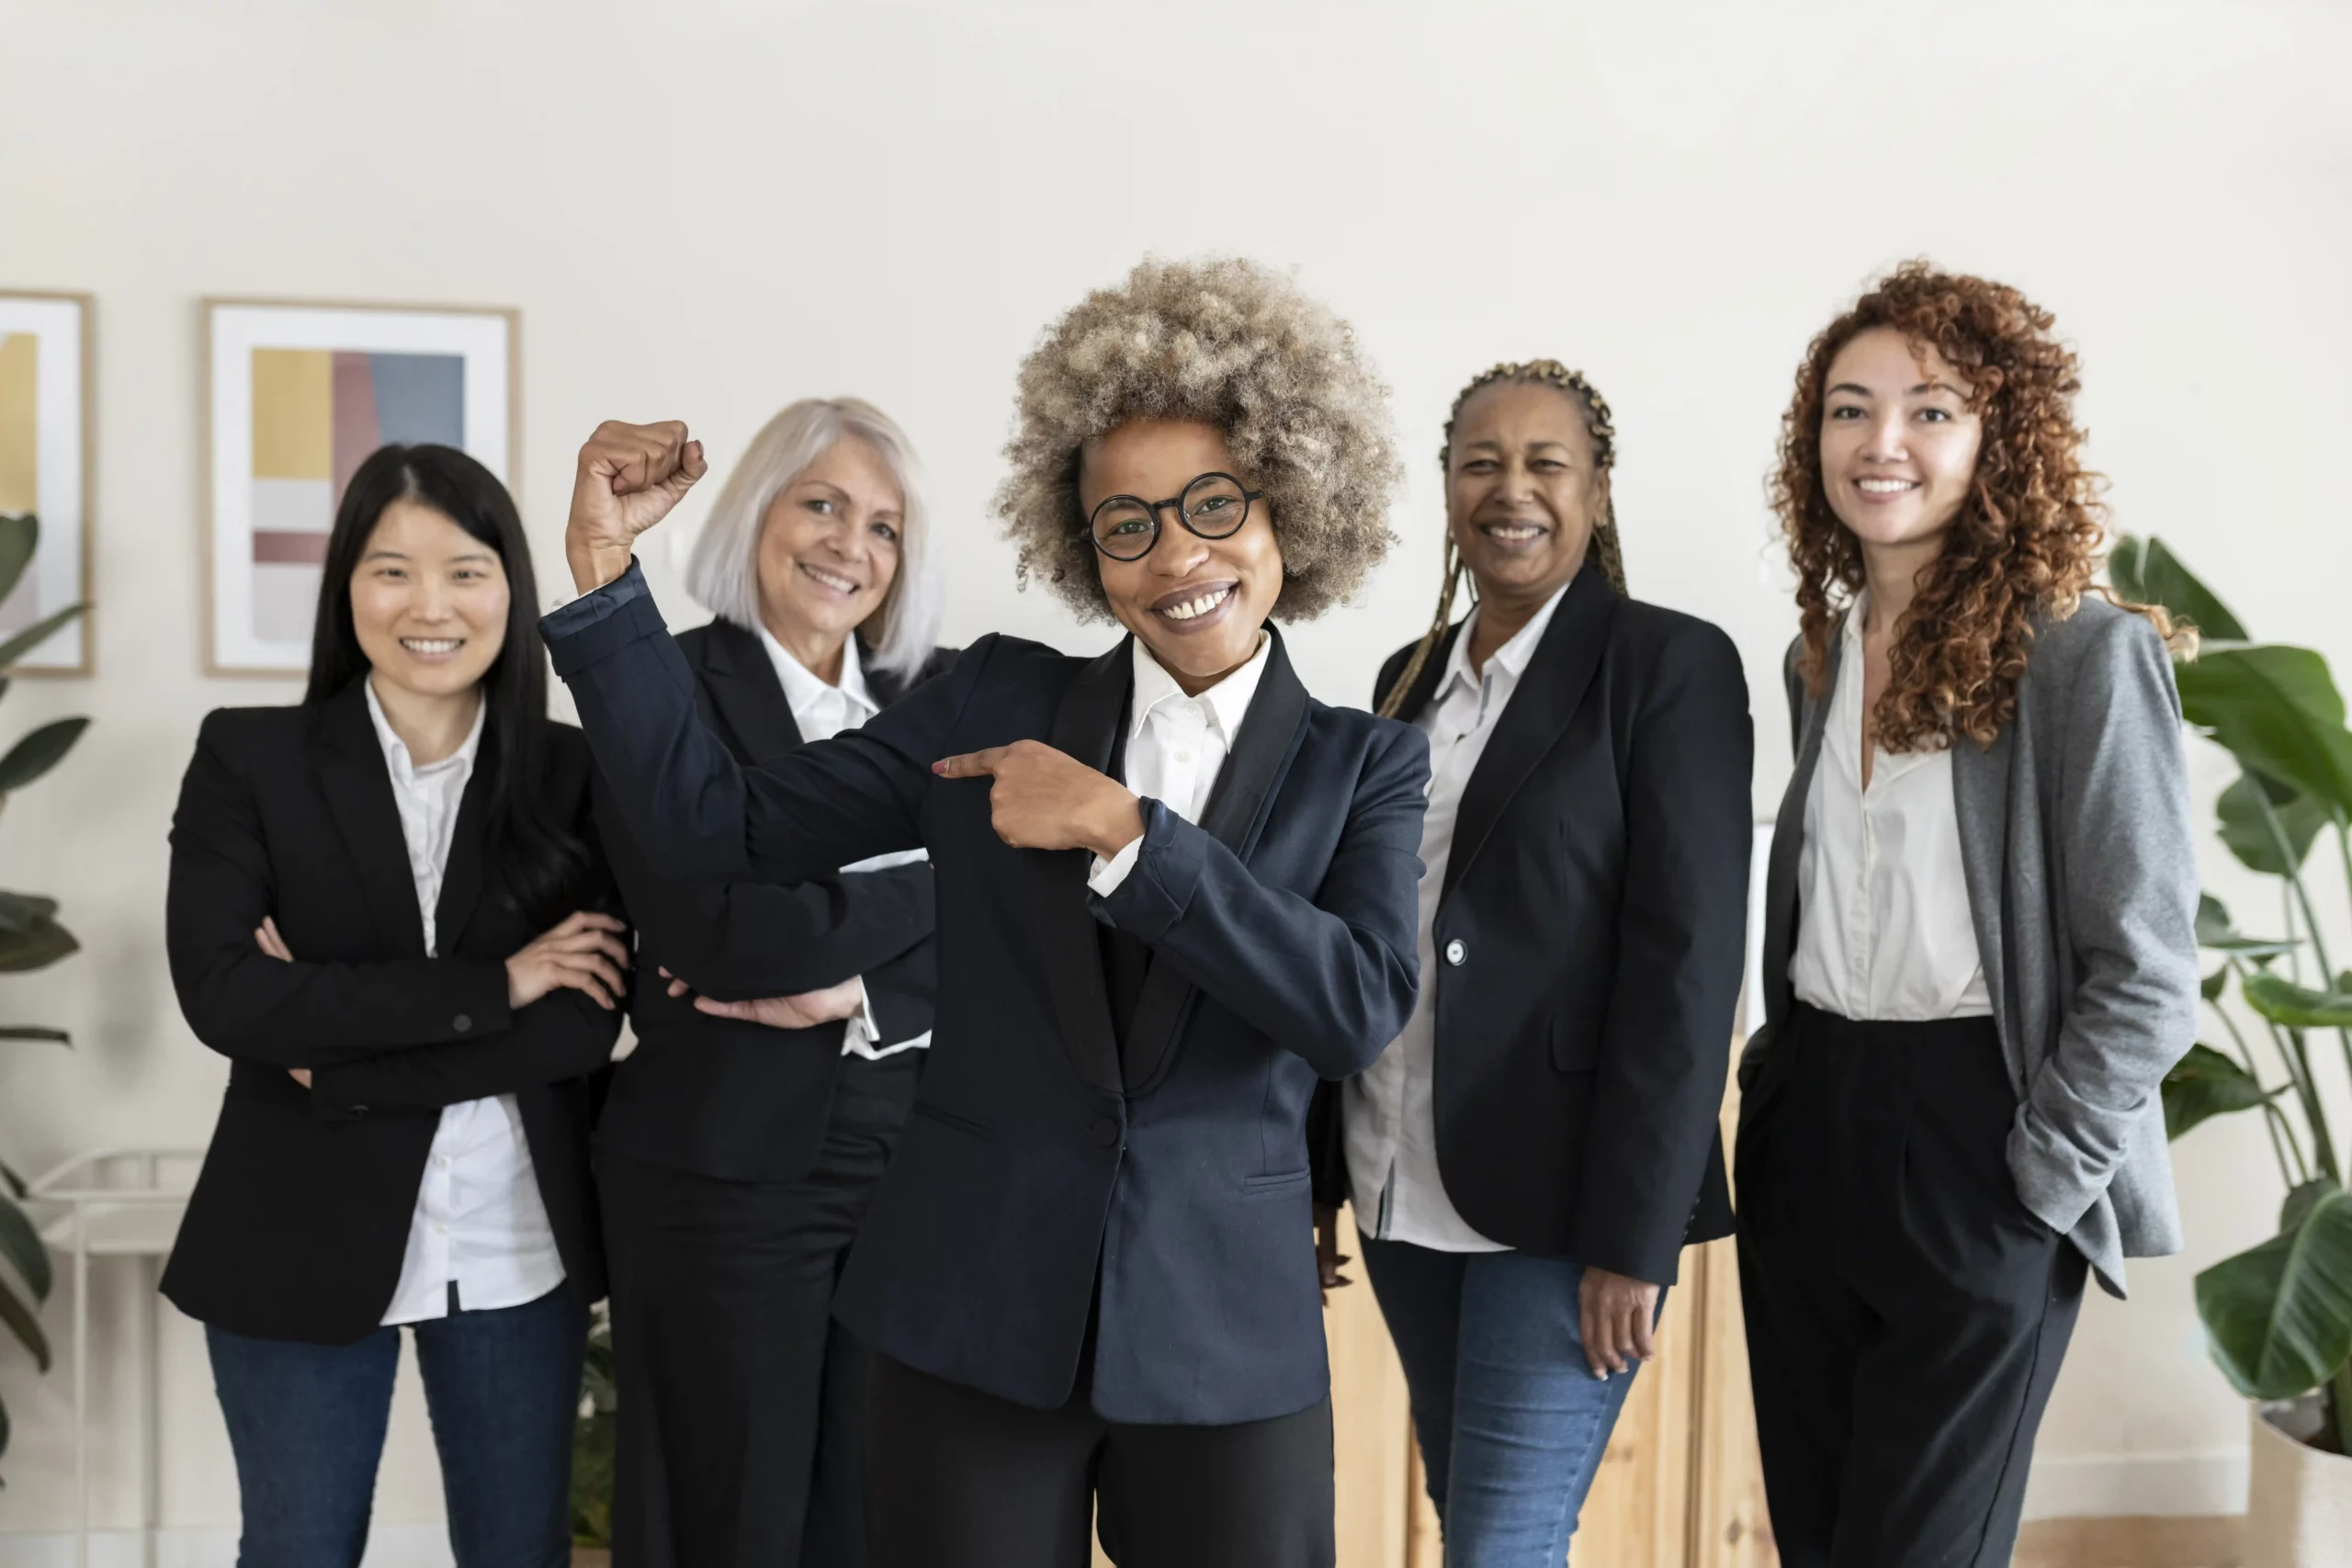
(462, 878)
(1558, 678)
(1237, 812)
(358, 788)
(1788, 841)
(1086, 726)
(1980, 798)
(744, 688)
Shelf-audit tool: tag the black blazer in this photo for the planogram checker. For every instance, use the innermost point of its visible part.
(1045, 1151)
(301, 1217)
(743, 1101)
(1598, 886)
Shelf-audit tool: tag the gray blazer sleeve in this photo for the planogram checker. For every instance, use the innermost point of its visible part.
(2121, 825)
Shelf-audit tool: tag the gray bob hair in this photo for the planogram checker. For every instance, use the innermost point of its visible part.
(723, 570)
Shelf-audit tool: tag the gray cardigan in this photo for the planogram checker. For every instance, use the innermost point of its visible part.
(2081, 866)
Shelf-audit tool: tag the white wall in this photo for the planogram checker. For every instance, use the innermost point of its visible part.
(705, 208)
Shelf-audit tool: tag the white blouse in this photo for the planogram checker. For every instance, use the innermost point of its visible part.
(1883, 930)
(479, 1223)
(1177, 746)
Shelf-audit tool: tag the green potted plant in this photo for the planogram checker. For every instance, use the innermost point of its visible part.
(592, 1450)
(30, 938)
(2279, 1315)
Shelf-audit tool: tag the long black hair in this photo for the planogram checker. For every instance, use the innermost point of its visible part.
(534, 856)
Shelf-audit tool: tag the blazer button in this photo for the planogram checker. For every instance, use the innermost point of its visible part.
(1455, 952)
(465, 1020)
(1106, 1132)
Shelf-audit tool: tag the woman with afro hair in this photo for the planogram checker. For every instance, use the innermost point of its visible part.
(1173, 893)
(1978, 946)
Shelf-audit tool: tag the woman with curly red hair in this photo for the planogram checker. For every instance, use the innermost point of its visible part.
(1978, 933)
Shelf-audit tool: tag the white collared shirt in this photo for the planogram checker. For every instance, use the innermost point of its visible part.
(820, 710)
(1391, 1107)
(478, 1220)
(1176, 745)
(1883, 930)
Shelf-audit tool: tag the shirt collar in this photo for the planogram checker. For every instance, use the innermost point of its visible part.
(396, 755)
(1224, 705)
(1512, 656)
(804, 689)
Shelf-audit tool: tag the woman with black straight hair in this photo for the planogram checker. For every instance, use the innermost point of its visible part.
(388, 911)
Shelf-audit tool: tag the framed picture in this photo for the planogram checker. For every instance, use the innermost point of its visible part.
(47, 416)
(297, 395)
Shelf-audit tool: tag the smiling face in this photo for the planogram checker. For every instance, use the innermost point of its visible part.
(1898, 441)
(1197, 603)
(428, 602)
(1522, 490)
(829, 545)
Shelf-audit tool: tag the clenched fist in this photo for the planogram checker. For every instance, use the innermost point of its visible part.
(1045, 799)
(629, 477)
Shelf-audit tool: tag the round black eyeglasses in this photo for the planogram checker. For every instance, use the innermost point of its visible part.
(1212, 506)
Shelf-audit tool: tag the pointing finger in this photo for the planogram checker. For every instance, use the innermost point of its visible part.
(970, 765)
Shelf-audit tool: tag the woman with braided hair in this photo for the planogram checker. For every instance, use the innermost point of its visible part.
(1531, 1156)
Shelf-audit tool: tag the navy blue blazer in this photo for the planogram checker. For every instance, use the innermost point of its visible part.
(1043, 1150)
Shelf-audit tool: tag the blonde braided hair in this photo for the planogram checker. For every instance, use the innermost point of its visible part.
(1595, 409)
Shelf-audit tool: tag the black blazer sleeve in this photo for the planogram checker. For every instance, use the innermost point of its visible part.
(247, 1005)
(1665, 1045)
(745, 940)
(691, 807)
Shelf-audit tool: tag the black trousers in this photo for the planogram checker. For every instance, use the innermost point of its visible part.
(961, 1478)
(742, 1404)
(1906, 1312)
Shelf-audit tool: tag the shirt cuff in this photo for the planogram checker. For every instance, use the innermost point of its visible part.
(860, 1024)
(1106, 875)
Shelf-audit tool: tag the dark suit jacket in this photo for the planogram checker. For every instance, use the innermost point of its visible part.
(1598, 884)
(1041, 1154)
(299, 1220)
(743, 1101)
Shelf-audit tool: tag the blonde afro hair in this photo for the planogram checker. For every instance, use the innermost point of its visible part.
(1228, 343)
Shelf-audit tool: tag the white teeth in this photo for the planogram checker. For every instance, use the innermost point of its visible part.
(1884, 487)
(838, 584)
(432, 644)
(1193, 608)
(1514, 531)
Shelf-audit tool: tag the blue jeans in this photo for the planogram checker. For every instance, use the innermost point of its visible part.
(1512, 1421)
(306, 1423)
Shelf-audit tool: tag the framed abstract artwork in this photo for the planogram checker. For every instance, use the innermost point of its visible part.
(298, 396)
(47, 403)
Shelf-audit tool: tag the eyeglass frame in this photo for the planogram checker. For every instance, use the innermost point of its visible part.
(1249, 497)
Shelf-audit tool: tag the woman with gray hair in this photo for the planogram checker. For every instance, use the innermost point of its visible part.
(781, 1030)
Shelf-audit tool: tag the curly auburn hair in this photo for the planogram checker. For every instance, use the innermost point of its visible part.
(2025, 542)
(1594, 410)
(1234, 344)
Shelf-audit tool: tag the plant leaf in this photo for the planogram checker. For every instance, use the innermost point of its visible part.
(2206, 1083)
(2159, 578)
(2123, 568)
(20, 910)
(39, 752)
(2277, 712)
(35, 1031)
(37, 947)
(2280, 1315)
(32, 637)
(21, 1246)
(27, 1327)
(2301, 1201)
(10, 1179)
(2248, 833)
(2215, 931)
(2211, 986)
(2297, 1007)
(20, 536)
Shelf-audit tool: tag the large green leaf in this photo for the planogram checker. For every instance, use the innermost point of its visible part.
(2152, 574)
(39, 632)
(2280, 1315)
(2246, 827)
(21, 1246)
(20, 536)
(2297, 1007)
(2205, 1084)
(37, 947)
(2277, 712)
(20, 910)
(25, 1326)
(39, 752)
(2214, 931)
